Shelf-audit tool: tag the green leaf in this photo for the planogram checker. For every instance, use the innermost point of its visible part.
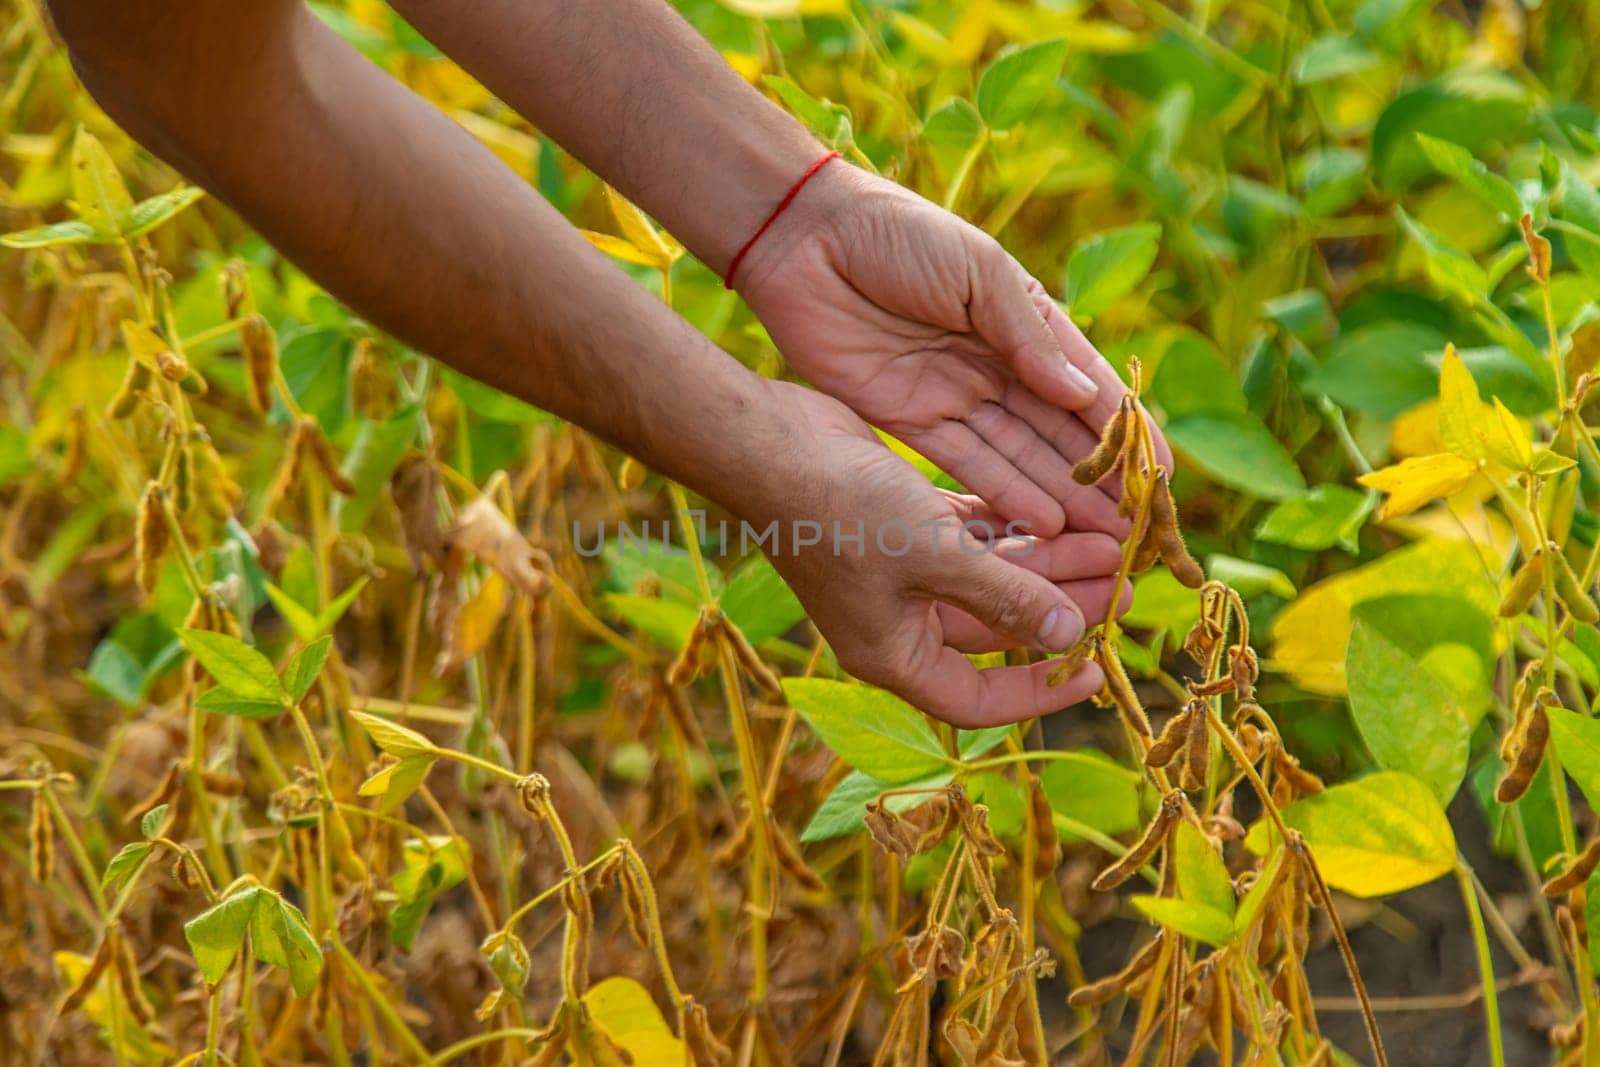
(1331, 56)
(844, 810)
(1457, 163)
(869, 729)
(234, 665)
(114, 671)
(487, 402)
(1237, 451)
(1093, 789)
(221, 700)
(68, 232)
(379, 446)
(303, 669)
(397, 781)
(951, 130)
(829, 121)
(301, 621)
(1012, 85)
(1248, 577)
(329, 616)
(974, 743)
(429, 869)
(1409, 719)
(280, 936)
(124, 863)
(1202, 876)
(1381, 369)
(1580, 205)
(102, 198)
(150, 822)
(1371, 837)
(1322, 517)
(1192, 377)
(759, 602)
(393, 738)
(1250, 907)
(1195, 921)
(146, 215)
(1474, 108)
(215, 934)
(1108, 265)
(1450, 268)
(1577, 741)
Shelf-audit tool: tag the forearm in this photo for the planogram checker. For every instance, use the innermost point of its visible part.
(404, 216)
(634, 92)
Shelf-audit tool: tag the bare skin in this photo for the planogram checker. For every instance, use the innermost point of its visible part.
(935, 333)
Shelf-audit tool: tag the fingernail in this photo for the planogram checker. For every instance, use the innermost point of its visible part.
(1061, 630)
(1081, 380)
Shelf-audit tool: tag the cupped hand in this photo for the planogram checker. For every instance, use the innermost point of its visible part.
(930, 575)
(924, 326)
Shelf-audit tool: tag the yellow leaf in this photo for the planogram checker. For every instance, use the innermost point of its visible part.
(143, 343)
(1461, 416)
(745, 65)
(102, 198)
(475, 623)
(393, 738)
(1310, 636)
(1411, 483)
(641, 232)
(1416, 432)
(625, 1011)
(1505, 438)
(616, 246)
(786, 9)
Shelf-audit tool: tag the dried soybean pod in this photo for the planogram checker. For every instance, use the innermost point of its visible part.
(41, 838)
(1148, 552)
(765, 678)
(1121, 688)
(1245, 669)
(1524, 584)
(127, 972)
(1113, 441)
(1145, 847)
(1197, 763)
(1169, 542)
(97, 967)
(235, 287)
(1047, 844)
(1297, 777)
(1098, 992)
(1171, 739)
(328, 460)
(151, 536)
(1068, 665)
(1529, 753)
(260, 346)
(790, 860)
(1578, 872)
(183, 479)
(136, 381)
(1569, 590)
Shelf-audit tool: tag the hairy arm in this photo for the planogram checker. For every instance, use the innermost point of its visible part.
(404, 216)
(631, 89)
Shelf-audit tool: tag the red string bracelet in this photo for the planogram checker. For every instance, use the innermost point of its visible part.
(794, 191)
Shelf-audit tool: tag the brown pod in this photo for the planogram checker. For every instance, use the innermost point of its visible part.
(1098, 992)
(1295, 776)
(765, 677)
(328, 460)
(135, 382)
(41, 838)
(1148, 552)
(1529, 753)
(91, 977)
(1245, 670)
(1121, 689)
(1164, 528)
(1113, 441)
(151, 536)
(1145, 847)
(790, 860)
(1524, 584)
(1577, 872)
(1569, 590)
(1172, 737)
(1046, 842)
(1197, 763)
(127, 971)
(1070, 663)
(260, 346)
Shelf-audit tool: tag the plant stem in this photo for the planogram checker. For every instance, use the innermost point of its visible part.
(1480, 935)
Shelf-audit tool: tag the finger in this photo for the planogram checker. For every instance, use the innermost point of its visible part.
(1067, 557)
(1087, 358)
(973, 462)
(1012, 601)
(952, 689)
(1003, 305)
(1093, 597)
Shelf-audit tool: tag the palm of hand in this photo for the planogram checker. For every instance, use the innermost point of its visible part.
(925, 328)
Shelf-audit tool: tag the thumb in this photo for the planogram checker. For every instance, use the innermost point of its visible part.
(1007, 309)
(1013, 602)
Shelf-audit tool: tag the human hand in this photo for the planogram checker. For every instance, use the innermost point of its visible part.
(902, 605)
(927, 328)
